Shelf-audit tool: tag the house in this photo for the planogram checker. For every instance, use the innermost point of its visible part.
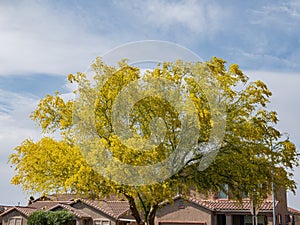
(208, 212)
(220, 209)
(294, 216)
(196, 209)
(86, 212)
(2, 209)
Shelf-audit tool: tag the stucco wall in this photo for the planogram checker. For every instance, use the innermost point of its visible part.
(183, 211)
(14, 213)
(95, 214)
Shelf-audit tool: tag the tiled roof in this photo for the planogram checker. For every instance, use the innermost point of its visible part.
(22, 209)
(4, 208)
(76, 212)
(99, 205)
(47, 204)
(115, 209)
(119, 208)
(228, 205)
(222, 205)
(71, 197)
(39, 205)
(57, 197)
(293, 211)
(25, 210)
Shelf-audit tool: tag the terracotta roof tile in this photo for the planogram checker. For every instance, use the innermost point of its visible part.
(100, 205)
(4, 208)
(26, 210)
(225, 204)
(222, 205)
(293, 211)
(38, 205)
(71, 197)
(119, 208)
(115, 209)
(57, 197)
(22, 209)
(76, 212)
(47, 204)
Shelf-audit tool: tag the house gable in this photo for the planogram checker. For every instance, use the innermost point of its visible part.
(95, 214)
(57, 197)
(183, 210)
(14, 213)
(76, 212)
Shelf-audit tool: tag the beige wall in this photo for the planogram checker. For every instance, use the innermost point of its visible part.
(95, 214)
(183, 211)
(14, 213)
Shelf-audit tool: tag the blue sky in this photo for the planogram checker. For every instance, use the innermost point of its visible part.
(43, 41)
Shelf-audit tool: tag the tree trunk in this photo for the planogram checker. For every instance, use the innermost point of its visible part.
(150, 216)
(134, 210)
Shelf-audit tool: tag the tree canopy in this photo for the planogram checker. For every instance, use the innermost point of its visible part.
(61, 217)
(121, 119)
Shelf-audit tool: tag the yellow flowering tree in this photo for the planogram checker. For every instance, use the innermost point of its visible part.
(152, 143)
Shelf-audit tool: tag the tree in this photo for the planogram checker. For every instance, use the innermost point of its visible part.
(156, 125)
(37, 218)
(61, 217)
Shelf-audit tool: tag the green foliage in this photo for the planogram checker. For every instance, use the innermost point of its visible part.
(38, 218)
(61, 217)
(253, 151)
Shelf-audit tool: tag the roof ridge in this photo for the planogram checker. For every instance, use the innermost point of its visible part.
(116, 201)
(73, 210)
(21, 209)
(91, 203)
(53, 201)
(119, 210)
(229, 204)
(293, 210)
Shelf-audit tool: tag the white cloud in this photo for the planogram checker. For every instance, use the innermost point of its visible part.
(15, 123)
(36, 38)
(15, 128)
(206, 17)
(284, 13)
(261, 57)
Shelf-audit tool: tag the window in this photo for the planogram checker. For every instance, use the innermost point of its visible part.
(247, 220)
(101, 222)
(15, 221)
(223, 193)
